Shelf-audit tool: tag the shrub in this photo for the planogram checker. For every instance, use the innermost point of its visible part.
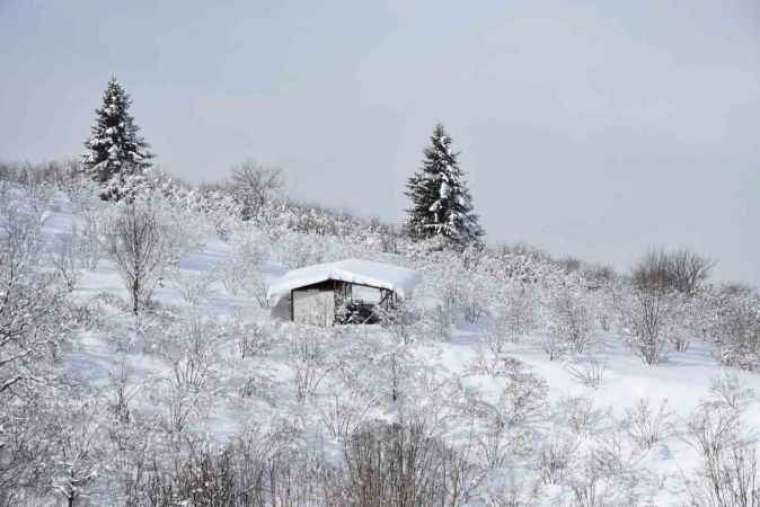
(403, 465)
(589, 372)
(135, 246)
(736, 328)
(681, 271)
(647, 427)
(729, 475)
(648, 317)
(573, 321)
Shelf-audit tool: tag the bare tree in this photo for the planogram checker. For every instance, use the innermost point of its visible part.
(572, 320)
(254, 186)
(650, 312)
(690, 270)
(648, 319)
(681, 270)
(76, 455)
(730, 473)
(135, 246)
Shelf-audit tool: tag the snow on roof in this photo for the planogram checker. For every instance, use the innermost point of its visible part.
(376, 274)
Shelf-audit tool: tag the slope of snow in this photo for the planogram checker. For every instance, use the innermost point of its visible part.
(682, 382)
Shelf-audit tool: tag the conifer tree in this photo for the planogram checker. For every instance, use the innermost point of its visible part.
(441, 203)
(117, 156)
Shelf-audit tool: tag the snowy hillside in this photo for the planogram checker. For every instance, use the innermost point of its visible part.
(509, 378)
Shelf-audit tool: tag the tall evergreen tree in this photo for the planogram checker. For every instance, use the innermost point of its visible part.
(117, 156)
(441, 203)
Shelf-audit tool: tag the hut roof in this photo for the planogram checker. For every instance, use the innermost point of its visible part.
(375, 274)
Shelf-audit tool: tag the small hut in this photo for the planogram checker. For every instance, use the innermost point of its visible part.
(343, 292)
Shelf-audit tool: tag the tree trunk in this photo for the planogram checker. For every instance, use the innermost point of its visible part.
(135, 296)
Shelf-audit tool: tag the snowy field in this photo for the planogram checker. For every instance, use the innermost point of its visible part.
(591, 427)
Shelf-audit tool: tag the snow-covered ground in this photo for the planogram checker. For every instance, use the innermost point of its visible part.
(192, 290)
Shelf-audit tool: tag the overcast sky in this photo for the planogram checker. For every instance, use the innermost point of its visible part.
(595, 129)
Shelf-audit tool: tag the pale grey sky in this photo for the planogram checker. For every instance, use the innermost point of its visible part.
(589, 128)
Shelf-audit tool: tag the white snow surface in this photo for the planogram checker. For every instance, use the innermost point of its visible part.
(682, 382)
(400, 280)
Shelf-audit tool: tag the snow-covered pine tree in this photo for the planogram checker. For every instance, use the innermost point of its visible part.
(117, 156)
(441, 203)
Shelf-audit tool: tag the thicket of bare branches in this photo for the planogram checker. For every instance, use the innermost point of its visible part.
(649, 317)
(647, 426)
(573, 320)
(400, 465)
(681, 270)
(135, 246)
(33, 327)
(254, 186)
(730, 473)
(404, 465)
(736, 328)
(61, 174)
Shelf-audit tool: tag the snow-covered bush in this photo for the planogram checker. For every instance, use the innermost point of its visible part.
(553, 345)
(61, 174)
(572, 319)
(438, 322)
(191, 347)
(556, 456)
(77, 453)
(404, 464)
(182, 231)
(195, 288)
(464, 297)
(137, 247)
(92, 235)
(580, 415)
(517, 311)
(260, 467)
(730, 473)
(727, 390)
(646, 426)
(33, 312)
(35, 322)
(254, 187)
(253, 339)
(344, 410)
(299, 250)
(647, 316)
(241, 272)
(309, 360)
(605, 474)
(122, 390)
(65, 257)
(588, 371)
(522, 399)
(735, 327)
(402, 321)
